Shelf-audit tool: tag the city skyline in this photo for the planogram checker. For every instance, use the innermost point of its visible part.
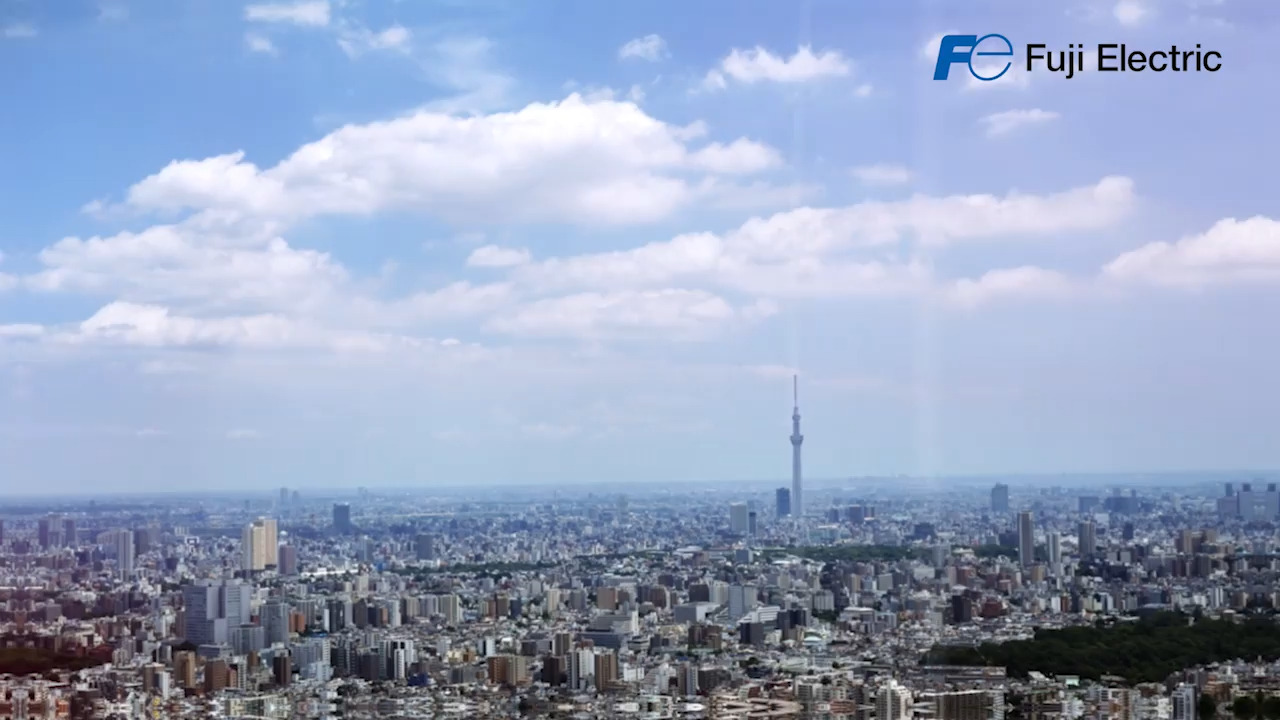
(419, 244)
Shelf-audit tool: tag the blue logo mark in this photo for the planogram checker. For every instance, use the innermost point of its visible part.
(961, 49)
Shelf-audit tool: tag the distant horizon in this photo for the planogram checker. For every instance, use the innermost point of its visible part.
(1098, 479)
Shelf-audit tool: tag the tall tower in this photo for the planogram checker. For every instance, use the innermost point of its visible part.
(797, 498)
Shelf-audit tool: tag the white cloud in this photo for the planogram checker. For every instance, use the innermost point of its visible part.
(1230, 251)
(759, 65)
(314, 13)
(155, 326)
(1021, 282)
(21, 330)
(929, 48)
(358, 41)
(835, 252)
(19, 31)
(203, 260)
(7, 282)
(882, 174)
(1132, 12)
(1002, 123)
(863, 91)
(492, 256)
(586, 162)
(260, 44)
(650, 47)
(1015, 78)
(465, 65)
(669, 313)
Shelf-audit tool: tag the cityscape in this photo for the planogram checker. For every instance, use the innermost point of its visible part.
(870, 599)
(649, 360)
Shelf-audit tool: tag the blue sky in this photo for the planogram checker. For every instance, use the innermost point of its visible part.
(372, 243)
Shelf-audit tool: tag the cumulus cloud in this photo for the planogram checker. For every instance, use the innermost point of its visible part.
(1003, 123)
(21, 330)
(1230, 251)
(203, 261)
(1022, 282)
(671, 313)
(650, 47)
(601, 162)
(836, 252)
(760, 65)
(313, 13)
(492, 256)
(153, 325)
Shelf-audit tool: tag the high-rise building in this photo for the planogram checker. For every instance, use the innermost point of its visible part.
(1184, 700)
(342, 518)
(607, 674)
(201, 606)
(742, 599)
(124, 552)
(1026, 539)
(44, 531)
(751, 523)
(1087, 538)
(893, 702)
(259, 544)
(738, 517)
(234, 600)
(275, 620)
(288, 562)
(1000, 498)
(1054, 541)
(782, 502)
(797, 494)
(424, 547)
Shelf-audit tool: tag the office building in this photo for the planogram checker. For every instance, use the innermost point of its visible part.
(424, 547)
(782, 502)
(124, 552)
(342, 518)
(893, 702)
(738, 518)
(1000, 498)
(259, 545)
(1026, 539)
(1087, 539)
(1054, 542)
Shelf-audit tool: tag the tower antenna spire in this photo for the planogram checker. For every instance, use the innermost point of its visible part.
(797, 493)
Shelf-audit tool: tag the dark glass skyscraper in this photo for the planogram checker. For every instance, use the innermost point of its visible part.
(342, 518)
(782, 503)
